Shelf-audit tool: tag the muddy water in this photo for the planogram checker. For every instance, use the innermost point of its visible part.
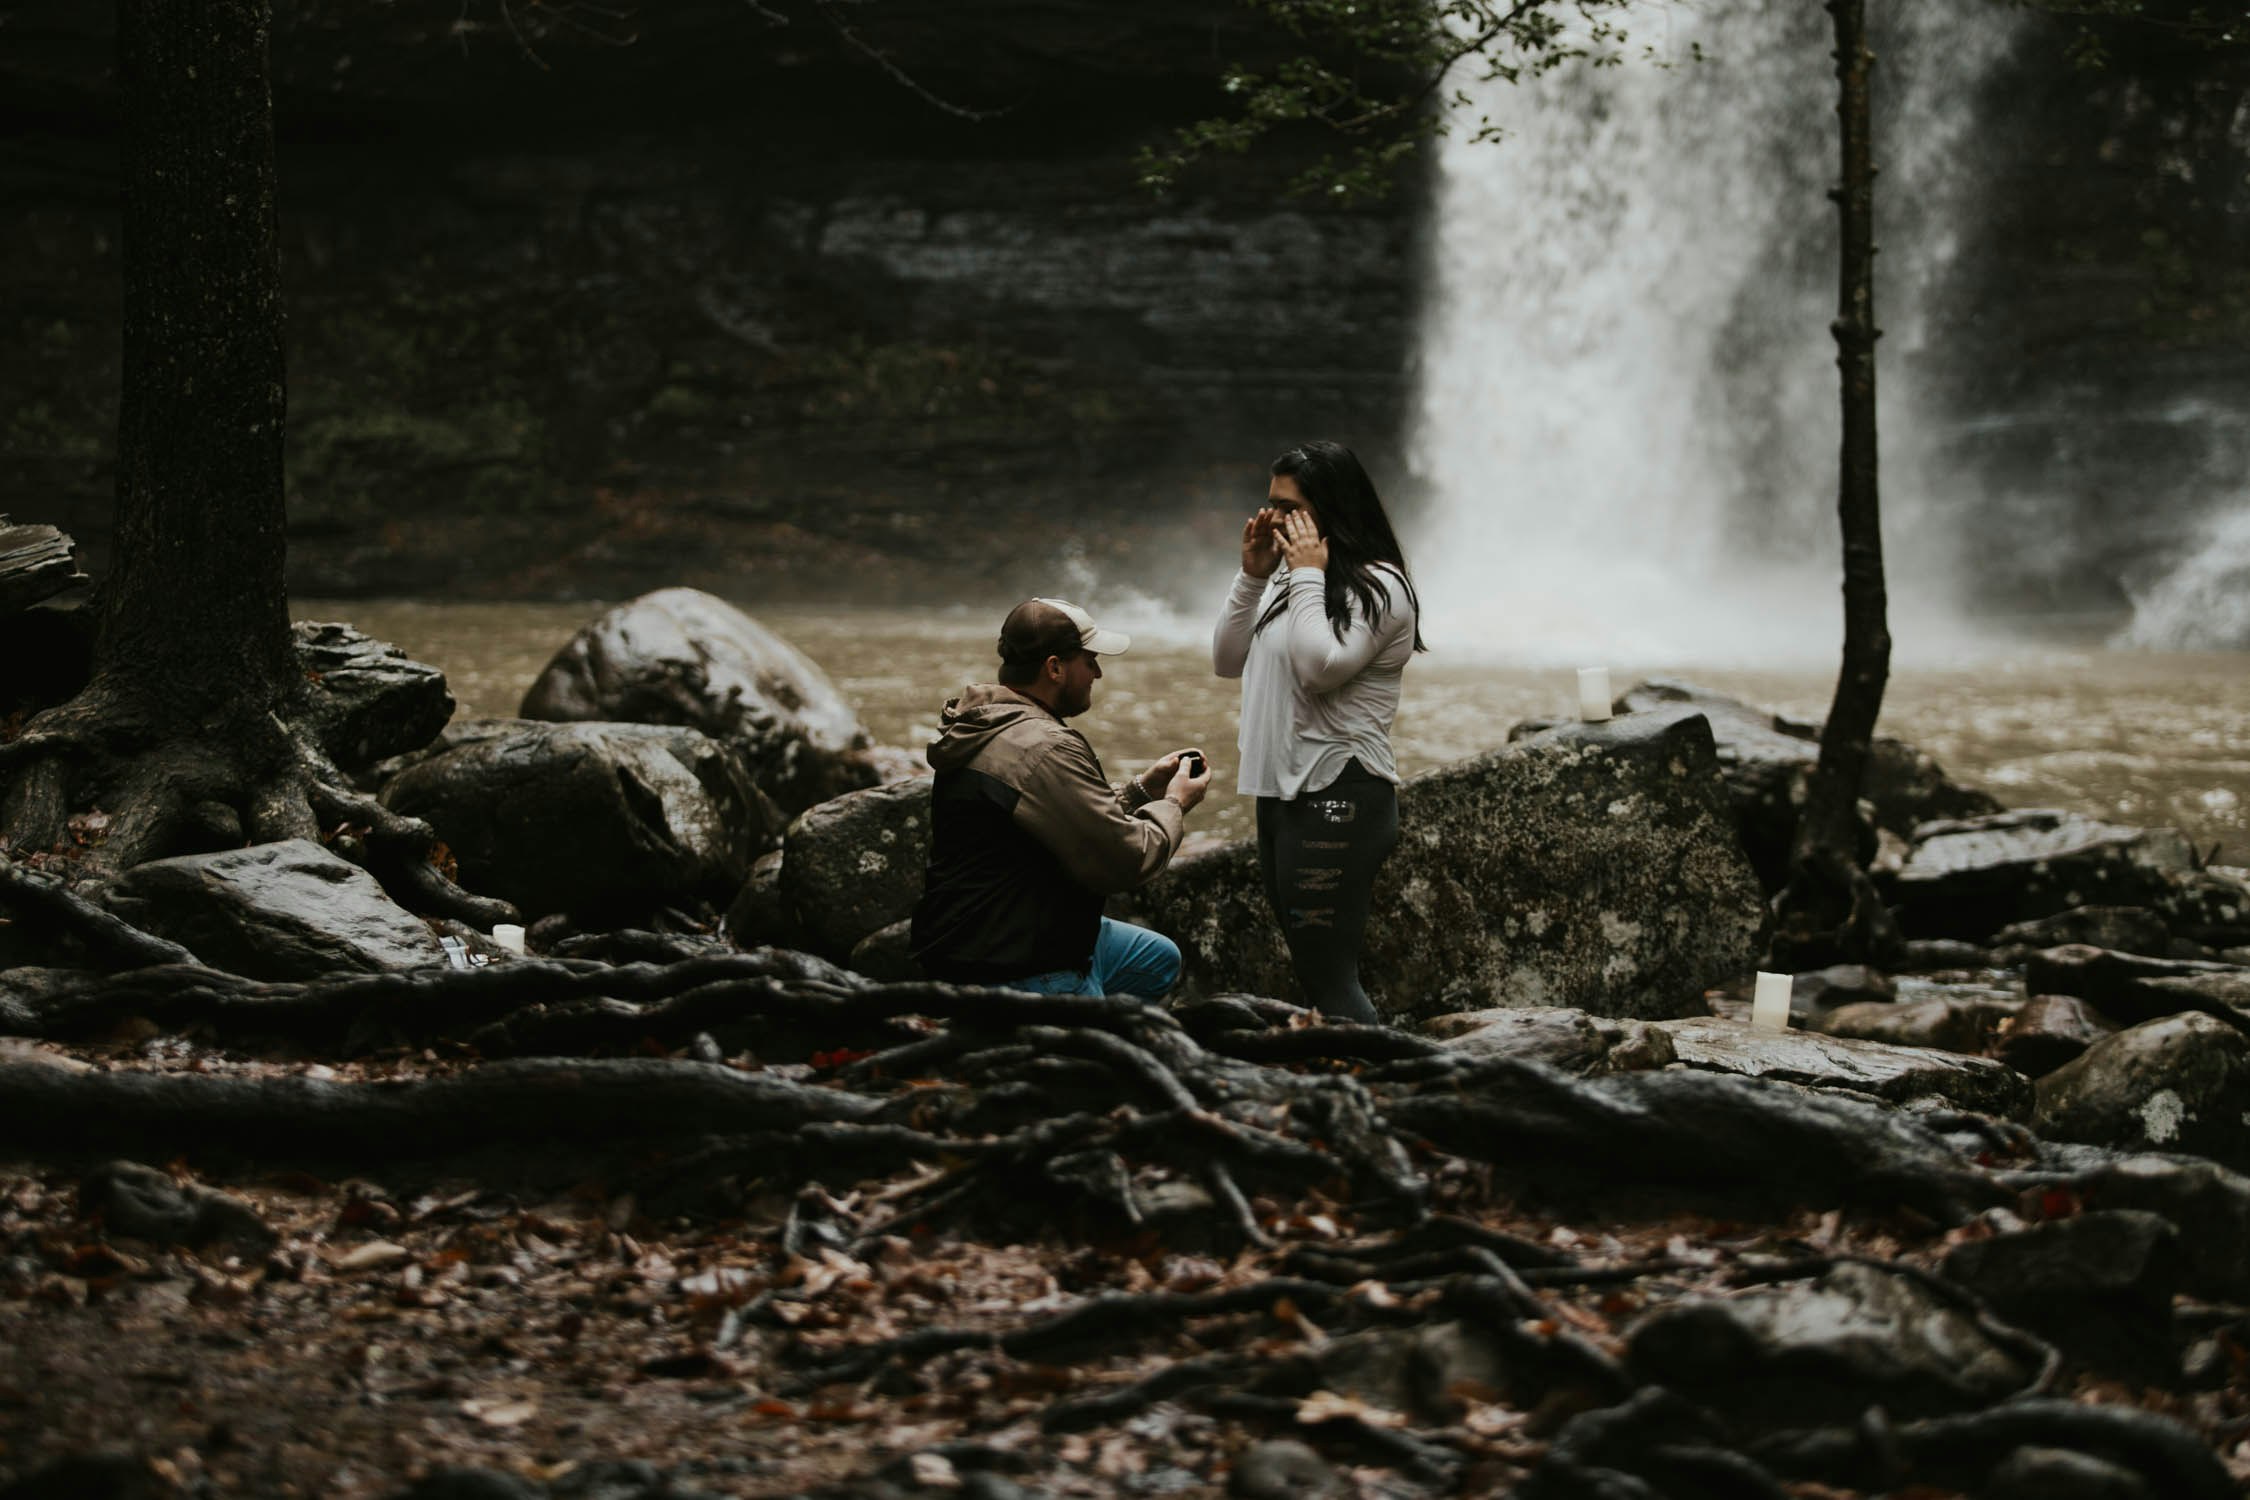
(2140, 738)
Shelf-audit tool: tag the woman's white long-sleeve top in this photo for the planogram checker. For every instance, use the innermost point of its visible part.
(1311, 702)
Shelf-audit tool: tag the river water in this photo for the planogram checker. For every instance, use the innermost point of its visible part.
(2142, 738)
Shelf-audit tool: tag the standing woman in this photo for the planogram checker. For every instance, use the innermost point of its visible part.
(1319, 626)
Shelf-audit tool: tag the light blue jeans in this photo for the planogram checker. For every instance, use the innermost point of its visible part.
(1127, 960)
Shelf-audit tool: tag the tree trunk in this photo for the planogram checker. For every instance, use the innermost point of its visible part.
(1829, 909)
(199, 493)
(181, 736)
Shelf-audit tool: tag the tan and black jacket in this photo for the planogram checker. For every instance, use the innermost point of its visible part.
(1027, 840)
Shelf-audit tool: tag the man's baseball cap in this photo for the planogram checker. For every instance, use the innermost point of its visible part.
(1039, 628)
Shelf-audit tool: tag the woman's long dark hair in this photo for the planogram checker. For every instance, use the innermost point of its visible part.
(1344, 501)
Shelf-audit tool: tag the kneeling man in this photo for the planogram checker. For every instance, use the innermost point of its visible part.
(1027, 836)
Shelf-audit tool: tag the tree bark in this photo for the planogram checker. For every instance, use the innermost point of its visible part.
(180, 736)
(1829, 909)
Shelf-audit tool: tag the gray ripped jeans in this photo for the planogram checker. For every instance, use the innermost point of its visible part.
(1319, 853)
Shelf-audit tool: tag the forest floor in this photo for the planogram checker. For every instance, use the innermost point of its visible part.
(406, 1322)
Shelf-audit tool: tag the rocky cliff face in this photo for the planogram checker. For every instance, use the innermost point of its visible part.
(694, 298)
(2105, 299)
(589, 303)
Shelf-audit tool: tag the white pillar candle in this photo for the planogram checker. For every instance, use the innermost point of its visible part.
(509, 936)
(1593, 693)
(1769, 1008)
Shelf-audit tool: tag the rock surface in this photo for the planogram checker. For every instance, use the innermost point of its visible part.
(2049, 1031)
(1594, 866)
(2128, 988)
(1826, 1351)
(1767, 758)
(36, 563)
(2127, 929)
(592, 819)
(1968, 879)
(1946, 1023)
(1886, 1072)
(853, 865)
(2207, 1203)
(367, 700)
(151, 1205)
(2180, 1083)
(2098, 1285)
(681, 656)
(291, 910)
(1558, 1036)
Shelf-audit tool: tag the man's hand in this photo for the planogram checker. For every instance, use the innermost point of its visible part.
(1188, 786)
(1261, 548)
(1300, 541)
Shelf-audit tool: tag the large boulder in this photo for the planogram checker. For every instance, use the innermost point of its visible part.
(597, 820)
(1823, 1352)
(681, 656)
(1594, 866)
(1877, 1068)
(2099, 1285)
(1970, 878)
(2207, 1203)
(1767, 759)
(291, 910)
(365, 700)
(853, 865)
(2181, 1083)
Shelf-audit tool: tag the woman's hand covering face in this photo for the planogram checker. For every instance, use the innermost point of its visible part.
(1302, 545)
(1261, 549)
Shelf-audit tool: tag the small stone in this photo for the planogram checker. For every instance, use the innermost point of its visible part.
(1284, 1470)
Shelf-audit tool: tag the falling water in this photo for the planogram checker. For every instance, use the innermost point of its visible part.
(1627, 429)
(2204, 603)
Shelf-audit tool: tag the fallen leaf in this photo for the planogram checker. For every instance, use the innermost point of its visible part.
(374, 1256)
(1328, 1406)
(934, 1471)
(500, 1413)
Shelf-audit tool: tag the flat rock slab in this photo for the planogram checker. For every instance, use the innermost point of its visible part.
(2129, 988)
(1971, 878)
(1965, 1024)
(36, 562)
(1877, 1068)
(291, 910)
(1595, 866)
(1558, 1036)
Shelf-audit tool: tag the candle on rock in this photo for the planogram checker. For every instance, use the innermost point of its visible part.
(1593, 693)
(1769, 1007)
(509, 936)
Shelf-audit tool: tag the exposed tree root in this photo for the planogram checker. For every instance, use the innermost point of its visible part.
(1961, 1451)
(245, 779)
(598, 1103)
(107, 939)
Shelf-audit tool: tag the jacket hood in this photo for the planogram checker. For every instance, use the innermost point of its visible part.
(970, 721)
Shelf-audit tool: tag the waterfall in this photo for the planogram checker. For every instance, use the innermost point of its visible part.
(1626, 433)
(2204, 603)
